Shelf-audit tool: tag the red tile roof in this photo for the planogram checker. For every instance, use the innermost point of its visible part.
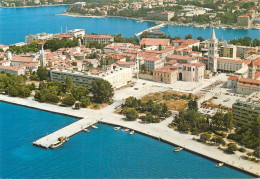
(100, 36)
(155, 42)
(233, 78)
(179, 57)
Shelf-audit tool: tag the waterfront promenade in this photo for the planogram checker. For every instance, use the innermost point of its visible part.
(160, 130)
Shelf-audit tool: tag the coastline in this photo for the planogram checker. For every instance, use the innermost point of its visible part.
(152, 130)
(223, 26)
(36, 6)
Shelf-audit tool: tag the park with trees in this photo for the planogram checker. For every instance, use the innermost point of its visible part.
(149, 112)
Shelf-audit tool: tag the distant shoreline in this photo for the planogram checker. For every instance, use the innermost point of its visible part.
(35, 6)
(156, 21)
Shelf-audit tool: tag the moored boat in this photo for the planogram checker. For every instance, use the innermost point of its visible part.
(94, 127)
(62, 140)
(178, 149)
(219, 165)
(132, 132)
(125, 130)
(117, 128)
(86, 130)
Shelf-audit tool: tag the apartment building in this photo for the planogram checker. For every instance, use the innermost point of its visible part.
(103, 39)
(167, 74)
(228, 51)
(247, 109)
(153, 62)
(117, 77)
(78, 33)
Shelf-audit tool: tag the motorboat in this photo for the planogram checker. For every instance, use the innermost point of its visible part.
(125, 130)
(117, 128)
(132, 132)
(86, 130)
(94, 127)
(219, 165)
(62, 140)
(178, 149)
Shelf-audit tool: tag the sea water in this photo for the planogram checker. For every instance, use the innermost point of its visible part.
(102, 153)
(16, 23)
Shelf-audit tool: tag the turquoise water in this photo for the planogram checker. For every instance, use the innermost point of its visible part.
(16, 23)
(102, 153)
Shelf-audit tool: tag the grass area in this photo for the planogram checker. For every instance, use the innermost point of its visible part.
(209, 103)
(172, 104)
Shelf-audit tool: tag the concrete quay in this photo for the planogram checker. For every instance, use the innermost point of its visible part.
(67, 131)
(150, 29)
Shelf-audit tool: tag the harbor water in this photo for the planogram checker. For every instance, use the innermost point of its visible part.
(102, 153)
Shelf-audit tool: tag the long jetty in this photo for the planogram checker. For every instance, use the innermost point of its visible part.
(67, 131)
(150, 29)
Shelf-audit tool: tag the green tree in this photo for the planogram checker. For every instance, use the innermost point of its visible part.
(201, 39)
(85, 101)
(228, 120)
(79, 92)
(69, 83)
(13, 91)
(256, 152)
(231, 148)
(193, 105)
(205, 137)
(43, 73)
(102, 91)
(160, 47)
(189, 36)
(131, 114)
(69, 100)
(218, 120)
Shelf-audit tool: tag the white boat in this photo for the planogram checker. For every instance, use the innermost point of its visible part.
(125, 130)
(178, 149)
(86, 130)
(62, 140)
(94, 127)
(117, 128)
(132, 132)
(219, 165)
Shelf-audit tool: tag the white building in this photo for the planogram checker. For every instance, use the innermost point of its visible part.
(78, 33)
(103, 39)
(42, 36)
(153, 62)
(117, 77)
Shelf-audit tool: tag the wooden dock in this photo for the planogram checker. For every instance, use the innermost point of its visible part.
(67, 131)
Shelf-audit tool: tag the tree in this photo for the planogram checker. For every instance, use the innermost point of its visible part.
(79, 92)
(102, 91)
(131, 114)
(77, 105)
(201, 39)
(43, 73)
(218, 120)
(69, 100)
(231, 148)
(256, 152)
(193, 105)
(204, 137)
(228, 120)
(189, 36)
(13, 91)
(85, 102)
(69, 83)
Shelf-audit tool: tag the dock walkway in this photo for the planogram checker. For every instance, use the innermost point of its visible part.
(67, 131)
(150, 29)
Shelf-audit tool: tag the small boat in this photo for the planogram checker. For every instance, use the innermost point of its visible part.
(178, 149)
(132, 132)
(117, 128)
(86, 130)
(219, 165)
(62, 140)
(125, 130)
(94, 127)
